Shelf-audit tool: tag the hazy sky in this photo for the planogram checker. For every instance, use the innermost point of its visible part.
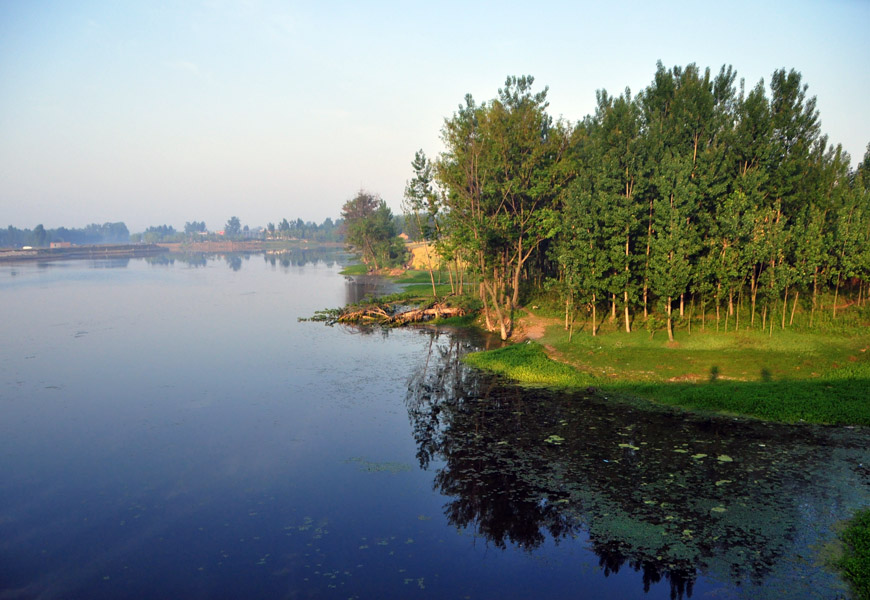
(166, 112)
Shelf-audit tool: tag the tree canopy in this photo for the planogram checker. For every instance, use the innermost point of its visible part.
(694, 191)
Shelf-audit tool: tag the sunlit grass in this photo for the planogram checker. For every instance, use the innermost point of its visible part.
(791, 376)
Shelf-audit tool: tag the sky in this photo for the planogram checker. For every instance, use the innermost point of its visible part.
(158, 113)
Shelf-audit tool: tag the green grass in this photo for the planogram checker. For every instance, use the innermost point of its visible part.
(855, 562)
(357, 269)
(528, 363)
(790, 377)
(415, 276)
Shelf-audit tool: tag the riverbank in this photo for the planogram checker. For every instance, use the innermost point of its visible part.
(72, 252)
(793, 376)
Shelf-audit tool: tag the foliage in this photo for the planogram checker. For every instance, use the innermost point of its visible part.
(369, 230)
(855, 563)
(501, 172)
(692, 194)
(233, 228)
(107, 233)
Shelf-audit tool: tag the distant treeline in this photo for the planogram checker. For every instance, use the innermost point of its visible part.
(328, 231)
(107, 233)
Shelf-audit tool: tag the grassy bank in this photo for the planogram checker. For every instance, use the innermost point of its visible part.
(792, 376)
(855, 562)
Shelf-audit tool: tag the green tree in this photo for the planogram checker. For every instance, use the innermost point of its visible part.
(421, 206)
(500, 170)
(233, 228)
(369, 230)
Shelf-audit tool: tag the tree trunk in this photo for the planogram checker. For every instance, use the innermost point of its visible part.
(613, 308)
(815, 294)
(682, 304)
(784, 306)
(691, 312)
(670, 320)
(836, 294)
(567, 306)
(704, 313)
(649, 233)
(594, 316)
(753, 288)
(793, 307)
(627, 316)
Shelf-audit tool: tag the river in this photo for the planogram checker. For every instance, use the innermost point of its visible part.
(170, 429)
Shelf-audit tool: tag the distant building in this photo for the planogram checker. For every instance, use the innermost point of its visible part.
(60, 245)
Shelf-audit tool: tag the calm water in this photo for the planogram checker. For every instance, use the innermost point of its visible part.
(169, 429)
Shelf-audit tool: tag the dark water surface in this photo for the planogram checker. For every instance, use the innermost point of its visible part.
(168, 429)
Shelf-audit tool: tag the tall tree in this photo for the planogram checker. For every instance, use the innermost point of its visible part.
(233, 227)
(500, 171)
(421, 206)
(369, 229)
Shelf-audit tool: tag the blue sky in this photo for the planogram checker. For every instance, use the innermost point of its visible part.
(166, 112)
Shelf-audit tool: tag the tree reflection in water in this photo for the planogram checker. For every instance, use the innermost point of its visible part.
(669, 494)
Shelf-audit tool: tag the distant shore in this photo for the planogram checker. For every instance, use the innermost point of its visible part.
(89, 251)
(138, 250)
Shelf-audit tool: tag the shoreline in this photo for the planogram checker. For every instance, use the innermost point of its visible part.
(77, 252)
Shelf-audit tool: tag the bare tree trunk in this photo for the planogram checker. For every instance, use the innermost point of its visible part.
(784, 306)
(649, 232)
(627, 316)
(613, 308)
(567, 305)
(691, 312)
(682, 304)
(753, 288)
(793, 307)
(670, 320)
(594, 325)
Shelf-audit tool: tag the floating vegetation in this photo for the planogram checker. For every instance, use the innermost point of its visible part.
(379, 467)
(664, 510)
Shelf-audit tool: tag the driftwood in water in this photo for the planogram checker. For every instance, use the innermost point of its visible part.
(397, 314)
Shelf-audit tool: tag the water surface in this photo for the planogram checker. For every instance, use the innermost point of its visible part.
(169, 429)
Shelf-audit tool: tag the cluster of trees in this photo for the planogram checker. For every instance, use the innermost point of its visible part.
(369, 228)
(328, 231)
(694, 190)
(107, 233)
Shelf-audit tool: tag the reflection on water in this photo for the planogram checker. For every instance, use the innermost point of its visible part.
(667, 494)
